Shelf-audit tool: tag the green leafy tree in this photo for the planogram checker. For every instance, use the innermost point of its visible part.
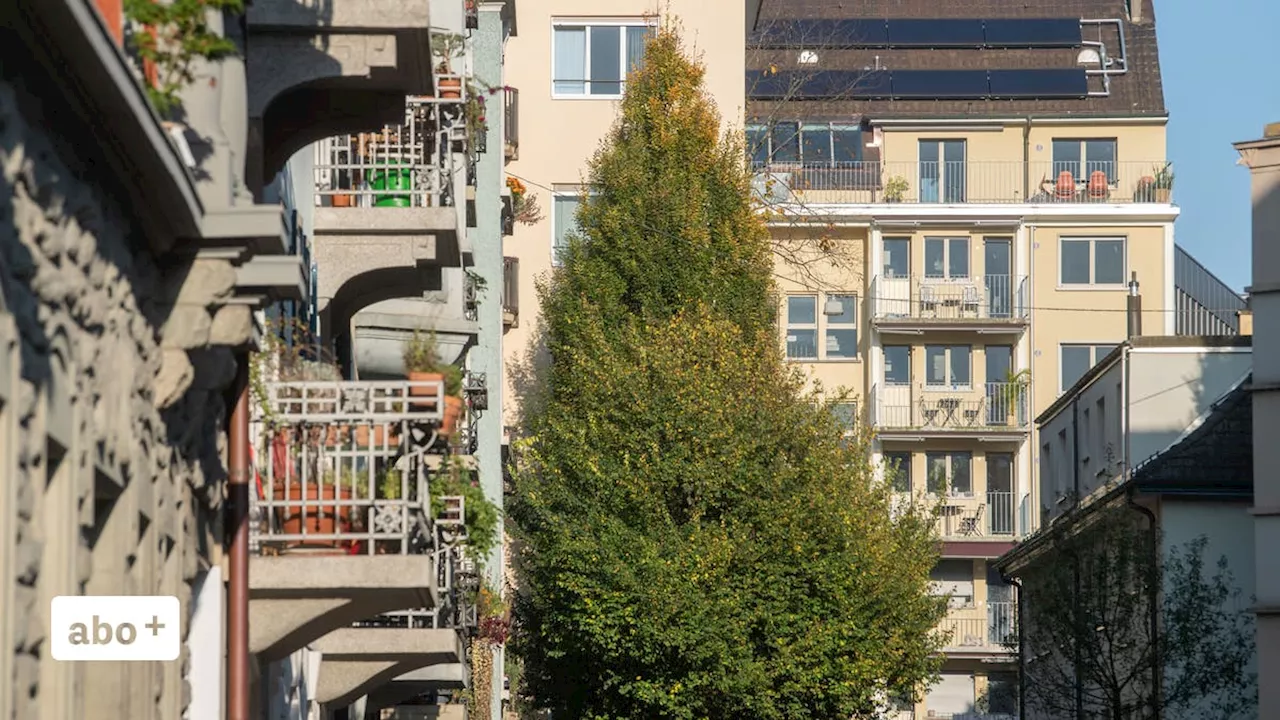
(1089, 647)
(696, 538)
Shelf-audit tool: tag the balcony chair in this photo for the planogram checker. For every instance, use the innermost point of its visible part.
(969, 525)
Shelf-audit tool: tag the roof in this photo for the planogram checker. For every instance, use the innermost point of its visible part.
(1189, 342)
(1213, 459)
(1137, 93)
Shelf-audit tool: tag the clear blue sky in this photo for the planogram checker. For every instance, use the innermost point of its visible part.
(1218, 62)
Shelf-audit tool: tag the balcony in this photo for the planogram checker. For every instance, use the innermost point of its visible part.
(986, 302)
(510, 292)
(342, 516)
(965, 182)
(386, 221)
(970, 630)
(511, 124)
(995, 408)
(983, 516)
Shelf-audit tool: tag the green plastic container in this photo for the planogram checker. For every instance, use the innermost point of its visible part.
(392, 178)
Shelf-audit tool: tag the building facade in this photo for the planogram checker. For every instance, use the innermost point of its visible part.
(963, 197)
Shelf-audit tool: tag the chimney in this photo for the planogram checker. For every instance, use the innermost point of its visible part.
(1135, 10)
(1133, 306)
(1246, 321)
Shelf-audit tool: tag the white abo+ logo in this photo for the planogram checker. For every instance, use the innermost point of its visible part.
(115, 628)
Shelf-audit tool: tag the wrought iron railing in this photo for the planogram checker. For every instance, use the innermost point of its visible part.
(964, 181)
(511, 291)
(981, 298)
(511, 122)
(985, 406)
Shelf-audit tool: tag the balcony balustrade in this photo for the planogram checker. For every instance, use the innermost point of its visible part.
(971, 630)
(975, 516)
(993, 406)
(511, 123)
(510, 292)
(985, 299)
(964, 182)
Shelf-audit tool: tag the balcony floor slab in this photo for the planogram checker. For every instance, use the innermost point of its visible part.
(357, 661)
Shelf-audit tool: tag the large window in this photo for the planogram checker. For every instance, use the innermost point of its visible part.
(809, 143)
(946, 258)
(592, 60)
(1082, 158)
(565, 221)
(950, 473)
(897, 468)
(1092, 261)
(948, 366)
(1077, 359)
(833, 318)
(942, 171)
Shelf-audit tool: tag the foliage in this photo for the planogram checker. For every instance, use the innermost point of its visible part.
(289, 353)
(494, 615)
(698, 539)
(174, 35)
(452, 380)
(480, 515)
(420, 355)
(896, 188)
(524, 205)
(1014, 388)
(1087, 613)
(474, 113)
(1164, 177)
(446, 47)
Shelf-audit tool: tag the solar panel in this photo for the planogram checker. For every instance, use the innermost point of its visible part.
(1040, 84)
(918, 32)
(1034, 33)
(766, 86)
(940, 84)
(861, 33)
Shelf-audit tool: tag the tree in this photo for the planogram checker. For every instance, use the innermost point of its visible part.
(1089, 646)
(697, 539)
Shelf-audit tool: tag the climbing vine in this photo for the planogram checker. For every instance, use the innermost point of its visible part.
(171, 37)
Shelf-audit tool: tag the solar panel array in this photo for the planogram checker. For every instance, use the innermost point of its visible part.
(921, 33)
(1040, 84)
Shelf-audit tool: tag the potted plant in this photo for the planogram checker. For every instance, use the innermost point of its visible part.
(1146, 191)
(895, 189)
(447, 46)
(480, 516)
(313, 508)
(1012, 392)
(422, 365)
(524, 206)
(453, 404)
(1164, 183)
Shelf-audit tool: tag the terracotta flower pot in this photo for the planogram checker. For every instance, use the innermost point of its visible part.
(428, 393)
(319, 520)
(343, 200)
(450, 88)
(452, 415)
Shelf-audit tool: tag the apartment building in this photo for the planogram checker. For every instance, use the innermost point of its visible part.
(966, 194)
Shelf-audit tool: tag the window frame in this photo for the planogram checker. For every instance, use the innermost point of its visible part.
(947, 242)
(556, 195)
(950, 385)
(950, 455)
(1092, 241)
(586, 24)
(887, 458)
(821, 326)
(831, 127)
(1082, 143)
(1094, 357)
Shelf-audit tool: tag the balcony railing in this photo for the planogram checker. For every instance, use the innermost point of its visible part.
(985, 298)
(968, 716)
(995, 406)
(511, 291)
(511, 123)
(990, 515)
(958, 182)
(971, 630)
(407, 165)
(342, 468)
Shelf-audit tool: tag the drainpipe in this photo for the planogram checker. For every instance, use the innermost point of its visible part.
(1026, 159)
(1133, 306)
(1156, 690)
(1022, 644)
(237, 529)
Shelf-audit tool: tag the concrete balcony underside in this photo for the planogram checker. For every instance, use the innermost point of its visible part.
(382, 329)
(295, 600)
(357, 661)
(303, 55)
(433, 678)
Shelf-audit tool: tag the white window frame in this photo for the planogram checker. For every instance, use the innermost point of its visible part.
(1113, 178)
(562, 192)
(950, 385)
(950, 456)
(821, 325)
(587, 24)
(1093, 356)
(946, 241)
(1092, 240)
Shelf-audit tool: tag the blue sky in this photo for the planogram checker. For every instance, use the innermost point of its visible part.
(1218, 62)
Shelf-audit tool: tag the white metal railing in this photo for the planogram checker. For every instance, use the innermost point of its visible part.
(408, 165)
(971, 630)
(988, 406)
(984, 298)
(964, 181)
(969, 516)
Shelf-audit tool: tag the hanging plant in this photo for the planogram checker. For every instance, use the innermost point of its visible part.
(172, 35)
(474, 110)
(524, 206)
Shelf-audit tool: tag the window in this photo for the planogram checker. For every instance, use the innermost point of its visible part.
(836, 324)
(593, 60)
(845, 414)
(897, 257)
(946, 258)
(950, 473)
(947, 366)
(954, 577)
(1092, 261)
(1077, 360)
(1082, 158)
(814, 144)
(897, 468)
(897, 364)
(565, 222)
(942, 171)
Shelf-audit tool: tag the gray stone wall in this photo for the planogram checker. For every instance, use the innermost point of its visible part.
(119, 414)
